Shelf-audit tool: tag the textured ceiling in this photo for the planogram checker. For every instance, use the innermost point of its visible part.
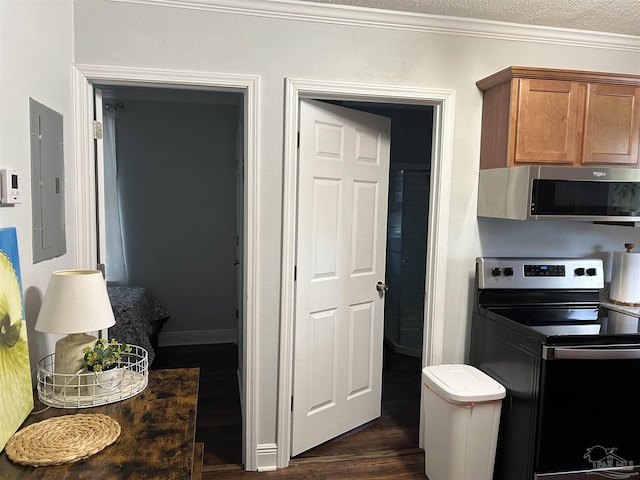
(613, 16)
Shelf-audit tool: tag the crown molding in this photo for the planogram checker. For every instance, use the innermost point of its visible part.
(394, 20)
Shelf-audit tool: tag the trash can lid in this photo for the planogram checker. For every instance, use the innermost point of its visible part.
(462, 383)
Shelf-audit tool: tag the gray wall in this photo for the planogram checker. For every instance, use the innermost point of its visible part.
(36, 48)
(220, 40)
(40, 40)
(176, 167)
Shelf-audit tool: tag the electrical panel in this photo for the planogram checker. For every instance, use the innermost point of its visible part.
(47, 182)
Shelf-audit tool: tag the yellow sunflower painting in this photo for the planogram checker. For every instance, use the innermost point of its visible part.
(16, 397)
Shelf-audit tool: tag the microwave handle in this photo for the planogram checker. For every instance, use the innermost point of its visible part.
(629, 352)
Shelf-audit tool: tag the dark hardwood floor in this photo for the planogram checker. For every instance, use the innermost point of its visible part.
(385, 448)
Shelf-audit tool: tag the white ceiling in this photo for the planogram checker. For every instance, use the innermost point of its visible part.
(612, 16)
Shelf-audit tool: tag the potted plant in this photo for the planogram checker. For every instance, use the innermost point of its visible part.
(103, 360)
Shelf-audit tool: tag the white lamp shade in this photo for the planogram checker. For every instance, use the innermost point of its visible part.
(76, 301)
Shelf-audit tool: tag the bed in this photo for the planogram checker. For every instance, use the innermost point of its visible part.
(139, 317)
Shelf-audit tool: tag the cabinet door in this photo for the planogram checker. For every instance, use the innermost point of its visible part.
(549, 122)
(612, 125)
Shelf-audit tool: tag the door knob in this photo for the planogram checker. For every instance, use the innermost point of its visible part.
(382, 287)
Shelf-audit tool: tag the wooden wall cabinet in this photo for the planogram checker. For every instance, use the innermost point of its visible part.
(536, 116)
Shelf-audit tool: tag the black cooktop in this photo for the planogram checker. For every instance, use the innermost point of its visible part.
(567, 325)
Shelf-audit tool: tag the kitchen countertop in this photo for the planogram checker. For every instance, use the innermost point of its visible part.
(605, 301)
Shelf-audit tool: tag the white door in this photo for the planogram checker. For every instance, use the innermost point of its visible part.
(239, 260)
(342, 214)
(100, 195)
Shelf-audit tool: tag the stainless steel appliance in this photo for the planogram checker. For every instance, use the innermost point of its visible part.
(560, 193)
(570, 366)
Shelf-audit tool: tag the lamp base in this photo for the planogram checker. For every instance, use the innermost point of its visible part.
(69, 357)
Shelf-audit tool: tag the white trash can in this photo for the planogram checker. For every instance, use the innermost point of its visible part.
(461, 419)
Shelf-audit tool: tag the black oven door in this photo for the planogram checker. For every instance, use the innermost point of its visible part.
(589, 413)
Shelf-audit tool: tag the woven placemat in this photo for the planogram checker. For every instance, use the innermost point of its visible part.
(64, 439)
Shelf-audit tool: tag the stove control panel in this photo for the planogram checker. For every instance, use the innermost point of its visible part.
(544, 270)
(531, 273)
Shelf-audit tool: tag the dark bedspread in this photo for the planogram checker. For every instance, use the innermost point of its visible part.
(139, 315)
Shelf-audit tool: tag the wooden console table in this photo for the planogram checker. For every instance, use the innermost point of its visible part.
(156, 441)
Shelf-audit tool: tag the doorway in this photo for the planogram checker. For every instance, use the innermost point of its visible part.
(407, 224)
(442, 101)
(177, 160)
(337, 164)
(85, 77)
(171, 207)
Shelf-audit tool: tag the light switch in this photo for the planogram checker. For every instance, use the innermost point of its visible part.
(10, 187)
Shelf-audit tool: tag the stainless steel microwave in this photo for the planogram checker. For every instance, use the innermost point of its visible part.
(560, 193)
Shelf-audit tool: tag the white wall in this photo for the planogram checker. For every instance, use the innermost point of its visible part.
(153, 36)
(36, 48)
(177, 175)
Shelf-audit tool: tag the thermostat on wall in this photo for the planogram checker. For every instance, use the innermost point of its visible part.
(10, 187)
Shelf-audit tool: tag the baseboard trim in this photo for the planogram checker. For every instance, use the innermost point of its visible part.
(267, 457)
(402, 349)
(197, 337)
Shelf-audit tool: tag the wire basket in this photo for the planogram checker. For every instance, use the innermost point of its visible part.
(90, 389)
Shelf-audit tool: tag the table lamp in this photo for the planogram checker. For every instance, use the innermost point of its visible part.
(76, 302)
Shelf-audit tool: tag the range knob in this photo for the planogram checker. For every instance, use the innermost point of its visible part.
(508, 271)
(579, 272)
(591, 272)
(495, 271)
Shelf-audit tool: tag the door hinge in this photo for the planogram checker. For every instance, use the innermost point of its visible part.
(292, 403)
(97, 130)
(298, 139)
(295, 273)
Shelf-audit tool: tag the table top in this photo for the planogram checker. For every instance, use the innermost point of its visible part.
(156, 439)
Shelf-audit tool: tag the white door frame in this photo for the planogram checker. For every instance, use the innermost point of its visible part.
(84, 77)
(443, 103)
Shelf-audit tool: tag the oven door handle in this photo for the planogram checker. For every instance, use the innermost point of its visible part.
(629, 352)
